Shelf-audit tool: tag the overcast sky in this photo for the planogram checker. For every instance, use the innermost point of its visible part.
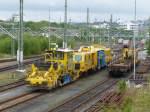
(99, 9)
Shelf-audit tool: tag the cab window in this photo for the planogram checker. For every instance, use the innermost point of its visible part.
(78, 58)
(70, 55)
(55, 56)
(59, 56)
(49, 55)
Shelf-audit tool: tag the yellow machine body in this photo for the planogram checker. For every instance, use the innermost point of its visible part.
(128, 53)
(84, 61)
(58, 64)
(108, 55)
(90, 50)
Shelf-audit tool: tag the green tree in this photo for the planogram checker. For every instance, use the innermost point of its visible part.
(148, 47)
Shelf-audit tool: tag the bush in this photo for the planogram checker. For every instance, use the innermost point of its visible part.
(5, 45)
(32, 45)
(122, 86)
(148, 48)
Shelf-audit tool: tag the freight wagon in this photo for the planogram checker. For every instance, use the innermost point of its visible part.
(123, 63)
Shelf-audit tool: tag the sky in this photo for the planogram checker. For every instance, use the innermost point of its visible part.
(100, 10)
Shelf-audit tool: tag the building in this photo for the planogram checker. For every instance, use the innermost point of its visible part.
(15, 18)
(103, 24)
(133, 25)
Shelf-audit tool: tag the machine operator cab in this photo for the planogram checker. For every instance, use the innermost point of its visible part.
(61, 57)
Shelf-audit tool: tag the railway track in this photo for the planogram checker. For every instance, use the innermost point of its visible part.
(13, 85)
(109, 98)
(73, 104)
(79, 101)
(15, 65)
(21, 82)
(19, 100)
(24, 98)
(14, 59)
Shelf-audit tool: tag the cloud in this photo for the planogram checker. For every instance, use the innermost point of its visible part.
(77, 8)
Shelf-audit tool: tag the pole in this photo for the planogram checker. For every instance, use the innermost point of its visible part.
(108, 35)
(110, 29)
(88, 25)
(20, 39)
(100, 33)
(134, 40)
(65, 26)
(13, 41)
(49, 39)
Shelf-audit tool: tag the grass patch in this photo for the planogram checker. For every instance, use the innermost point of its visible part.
(127, 105)
(142, 101)
(5, 56)
(136, 100)
(111, 109)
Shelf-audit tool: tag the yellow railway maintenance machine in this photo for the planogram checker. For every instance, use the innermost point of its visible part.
(56, 70)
